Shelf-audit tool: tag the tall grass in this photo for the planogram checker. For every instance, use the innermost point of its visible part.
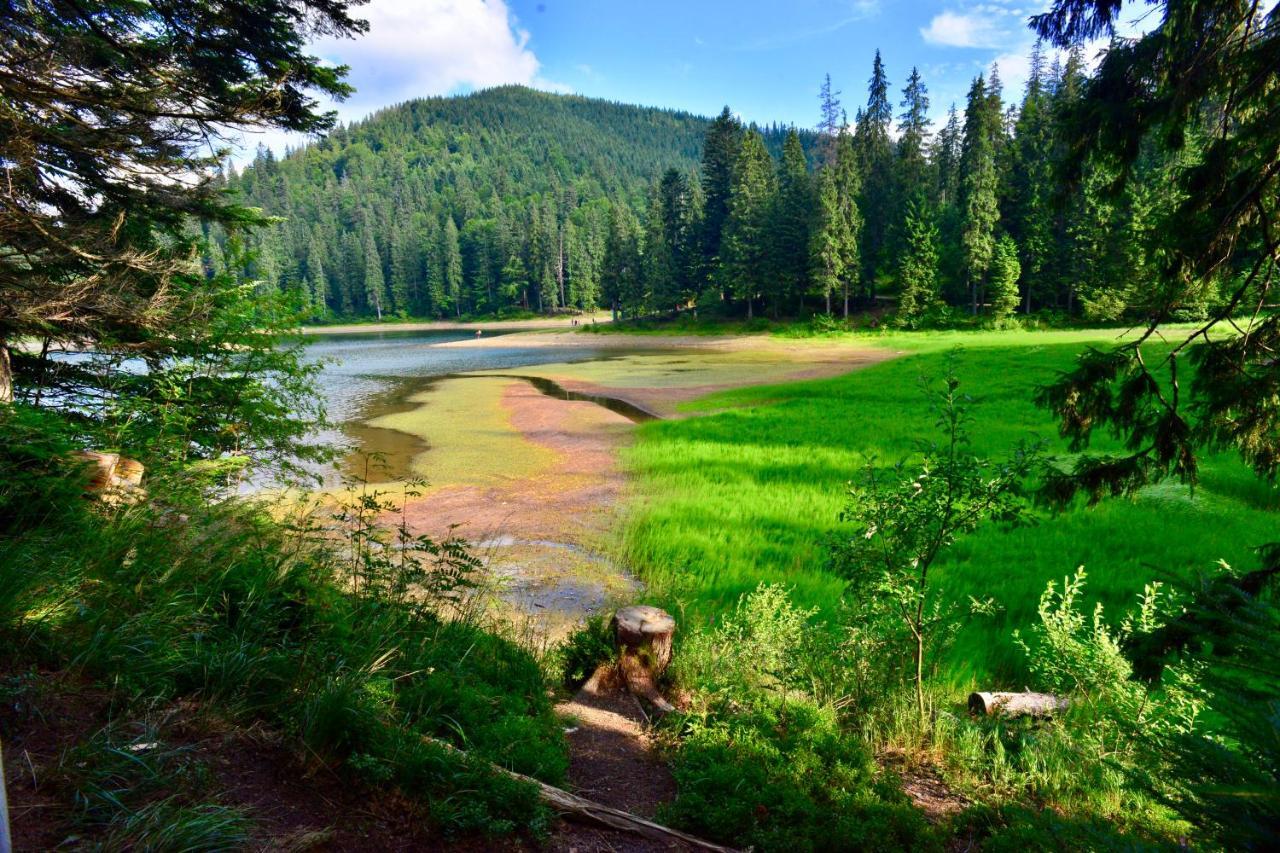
(335, 633)
(751, 492)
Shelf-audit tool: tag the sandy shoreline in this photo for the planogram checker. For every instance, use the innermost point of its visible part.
(451, 326)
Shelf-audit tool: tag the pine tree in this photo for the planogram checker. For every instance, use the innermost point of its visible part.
(658, 263)
(792, 220)
(1005, 271)
(911, 178)
(621, 272)
(918, 273)
(719, 156)
(1031, 181)
(829, 122)
(834, 246)
(316, 281)
(375, 287)
(451, 267)
(979, 209)
(746, 232)
(946, 160)
(875, 149)
(400, 269)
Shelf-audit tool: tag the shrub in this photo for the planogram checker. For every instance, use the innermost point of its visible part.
(586, 649)
(785, 777)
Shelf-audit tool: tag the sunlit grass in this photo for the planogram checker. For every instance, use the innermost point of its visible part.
(752, 491)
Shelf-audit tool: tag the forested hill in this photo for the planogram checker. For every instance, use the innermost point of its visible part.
(471, 204)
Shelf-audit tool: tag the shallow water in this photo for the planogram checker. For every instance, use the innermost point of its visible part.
(360, 368)
(367, 376)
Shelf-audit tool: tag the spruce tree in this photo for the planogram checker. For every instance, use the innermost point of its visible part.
(834, 244)
(1005, 271)
(830, 121)
(746, 243)
(375, 287)
(1031, 182)
(620, 272)
(828, 234)
(658, 263)
(451, 267)
(719, 155)
(792, 222)
(875, 149)
(918, 271)
(979, 208)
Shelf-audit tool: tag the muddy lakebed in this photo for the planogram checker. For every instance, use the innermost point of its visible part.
(516, 439)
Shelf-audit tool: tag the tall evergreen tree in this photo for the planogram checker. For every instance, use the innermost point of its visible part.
(451, 267)
(913, 141)
(621, 272)
(719, 155)
(375, 287)
(875, 149)
(792, 222)
(746, 246)
(1005, 271)
(1031, 184)
(834, 247)
(830, 122)
(979, 207)
(918, 272)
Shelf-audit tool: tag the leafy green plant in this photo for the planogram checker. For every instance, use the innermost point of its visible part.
(904, 519)
(783, 776)
(586, 649)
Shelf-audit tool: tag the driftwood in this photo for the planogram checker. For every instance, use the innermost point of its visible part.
(1016, 704)
(573, 807)
(644, 635)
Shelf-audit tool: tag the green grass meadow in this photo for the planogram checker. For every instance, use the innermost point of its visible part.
(751, 490)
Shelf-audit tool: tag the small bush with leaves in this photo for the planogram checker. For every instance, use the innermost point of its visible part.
(785, 777)
(586, 649)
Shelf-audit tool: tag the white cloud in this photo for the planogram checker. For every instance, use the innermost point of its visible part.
(952, 29)
(418, 48)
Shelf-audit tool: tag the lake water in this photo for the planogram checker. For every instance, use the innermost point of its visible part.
(364, 376)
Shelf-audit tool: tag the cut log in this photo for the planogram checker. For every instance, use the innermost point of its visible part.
(644, 636)
(1016, 704)
(573, 807)
(113, 479)
(129, 472)
(102, 469)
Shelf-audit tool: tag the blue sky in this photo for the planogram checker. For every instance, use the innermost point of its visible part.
(765, 60)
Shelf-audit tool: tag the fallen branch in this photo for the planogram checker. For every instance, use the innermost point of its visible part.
(579, 808)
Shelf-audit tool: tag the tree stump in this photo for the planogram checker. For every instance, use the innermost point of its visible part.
(1016, 704)
(113, 479)
(643, 635)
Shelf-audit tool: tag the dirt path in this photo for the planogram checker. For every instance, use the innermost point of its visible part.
(611, 761)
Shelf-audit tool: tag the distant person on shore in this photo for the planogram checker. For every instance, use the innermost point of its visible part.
(479, 333)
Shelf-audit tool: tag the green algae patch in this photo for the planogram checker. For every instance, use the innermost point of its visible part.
(468, 435)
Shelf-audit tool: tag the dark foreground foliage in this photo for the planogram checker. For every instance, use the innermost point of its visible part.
(218, 605)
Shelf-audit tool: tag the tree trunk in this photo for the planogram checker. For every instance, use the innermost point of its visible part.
(6, 375)
(1016, 704)
(644, 636)
(920, 679)
(828, 301)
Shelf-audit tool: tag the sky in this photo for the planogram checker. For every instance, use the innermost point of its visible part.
(765, 60)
